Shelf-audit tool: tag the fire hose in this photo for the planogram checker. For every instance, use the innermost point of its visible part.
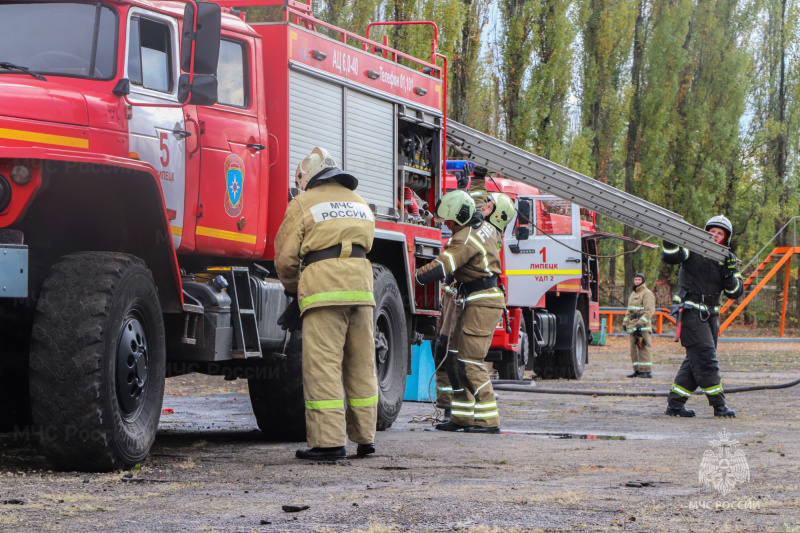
(515, 386)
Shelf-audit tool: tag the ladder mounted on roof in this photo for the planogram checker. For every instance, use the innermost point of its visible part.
(517, 164)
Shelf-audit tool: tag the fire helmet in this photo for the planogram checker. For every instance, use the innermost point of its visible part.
(721, 221)
(457, 206)
(320, 166)
(503, 212)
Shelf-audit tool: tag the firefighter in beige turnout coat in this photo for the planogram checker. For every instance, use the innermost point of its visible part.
(638, 323)
(473, 259)
(320, 256)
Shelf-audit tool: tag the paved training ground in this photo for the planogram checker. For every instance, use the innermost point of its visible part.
(565, 463)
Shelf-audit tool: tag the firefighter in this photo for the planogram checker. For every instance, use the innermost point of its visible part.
(320, 256)
(473, 259)
(499, 211)
(701, 281)
(641, 306)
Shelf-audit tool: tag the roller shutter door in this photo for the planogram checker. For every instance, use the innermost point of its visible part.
(315, 119)
(370, 147)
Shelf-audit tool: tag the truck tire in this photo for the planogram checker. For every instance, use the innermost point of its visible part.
(572, 361)
(97, 362)
(391, 346)
(514, 362)
(276, 394)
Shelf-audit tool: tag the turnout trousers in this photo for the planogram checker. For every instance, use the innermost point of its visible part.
(473, 396)
(338, 348)
(445, 325)
(700, 368)
(642, 358)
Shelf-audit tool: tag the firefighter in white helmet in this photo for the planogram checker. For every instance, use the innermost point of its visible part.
(473, 259)
(701, 281)
(320, 257)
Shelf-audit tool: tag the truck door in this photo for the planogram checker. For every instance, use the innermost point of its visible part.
(157, 134)
(231, 151)
(549, 258)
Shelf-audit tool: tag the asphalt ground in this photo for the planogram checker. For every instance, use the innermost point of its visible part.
(562, 463)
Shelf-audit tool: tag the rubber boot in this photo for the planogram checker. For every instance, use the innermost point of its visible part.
(645, 374)
(724, 411)
(365, 449)
(322, 454)
(635, 374)
(449, 426)
(679, 411)
(480, 429)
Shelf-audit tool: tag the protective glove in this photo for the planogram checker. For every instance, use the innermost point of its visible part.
(729, 267)
(290, 319)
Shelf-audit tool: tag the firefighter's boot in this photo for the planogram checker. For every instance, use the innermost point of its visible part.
(724, 411)
(645, 375)
(449, 426)
(635, 374)
(480, 429)
(679, 411)
(322, 454)
(365, 449)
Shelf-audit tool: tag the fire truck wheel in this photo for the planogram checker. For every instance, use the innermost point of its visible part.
(276, 394)
(513, 364)
(97, 362)
(391, 346)
(571, 362)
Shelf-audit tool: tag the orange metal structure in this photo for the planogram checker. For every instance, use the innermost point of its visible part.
(660, 315)
(783, 256)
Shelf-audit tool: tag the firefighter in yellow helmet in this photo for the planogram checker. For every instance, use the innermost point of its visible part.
(320, 256)
(473, 259)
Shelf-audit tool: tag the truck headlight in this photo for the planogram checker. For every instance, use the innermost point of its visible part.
(5, 192)
(21, 174)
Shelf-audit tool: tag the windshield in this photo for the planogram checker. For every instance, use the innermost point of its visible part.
(61, 39)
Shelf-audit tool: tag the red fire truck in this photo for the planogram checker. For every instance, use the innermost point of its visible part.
(146, 157)
(551, 282)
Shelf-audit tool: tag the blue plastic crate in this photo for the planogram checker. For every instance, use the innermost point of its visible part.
(422, 369)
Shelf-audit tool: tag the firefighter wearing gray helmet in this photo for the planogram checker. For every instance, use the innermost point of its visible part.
(320, 257)
(701, 281)
(637, 322)
(471, 256)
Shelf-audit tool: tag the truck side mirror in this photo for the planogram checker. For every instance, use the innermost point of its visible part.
(522, 231)
(206, 39)
(203, 89)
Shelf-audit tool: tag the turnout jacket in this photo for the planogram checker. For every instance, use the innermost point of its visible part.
(470, 254)
(324, 216)
(641, 306)
(701, 278)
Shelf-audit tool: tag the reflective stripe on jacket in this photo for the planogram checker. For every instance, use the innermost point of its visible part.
(324, 216)
(641, 306)
(470, 254)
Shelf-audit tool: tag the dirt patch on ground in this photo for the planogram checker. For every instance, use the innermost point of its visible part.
(565, 463)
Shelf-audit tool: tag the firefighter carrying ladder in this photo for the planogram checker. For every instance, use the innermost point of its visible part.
(517, 164)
